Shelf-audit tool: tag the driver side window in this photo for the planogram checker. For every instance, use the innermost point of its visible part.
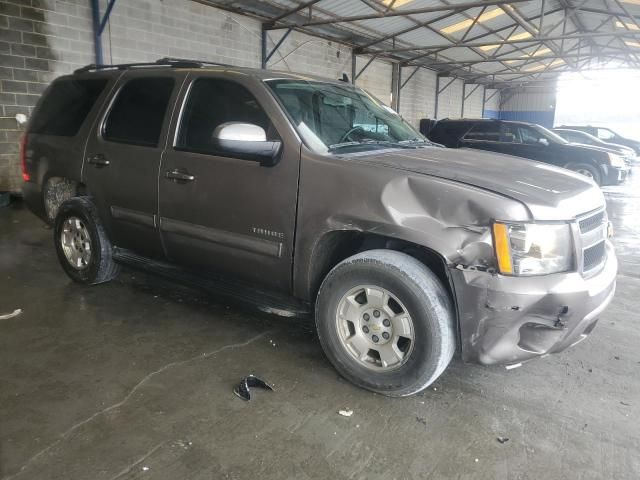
(212, 102)
(529, 136)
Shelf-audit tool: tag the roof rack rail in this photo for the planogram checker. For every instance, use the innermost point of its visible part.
(161, 62)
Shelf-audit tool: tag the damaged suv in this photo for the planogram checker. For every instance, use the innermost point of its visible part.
(310, 195)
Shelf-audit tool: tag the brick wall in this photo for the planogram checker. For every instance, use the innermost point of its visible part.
(473, 104)
(417, 97)
(38, 41)
(492, 102)
(376, 79)
(302, 53)
(450, 100)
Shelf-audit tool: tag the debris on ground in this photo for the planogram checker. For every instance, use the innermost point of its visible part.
(625, 404)
(421, 420)
(15, 313)
(243, 390)
(345, 413)
(502, 439)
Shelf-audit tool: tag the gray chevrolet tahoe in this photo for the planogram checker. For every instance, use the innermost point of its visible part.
(316, 196)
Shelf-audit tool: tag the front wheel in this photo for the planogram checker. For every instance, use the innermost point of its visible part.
(386, 322)
(587, 170)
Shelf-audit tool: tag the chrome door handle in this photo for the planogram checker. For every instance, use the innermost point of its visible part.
(98, 160)
(179, 176)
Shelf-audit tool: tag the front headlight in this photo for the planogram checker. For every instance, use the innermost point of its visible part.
(616, 160)
(533, 248)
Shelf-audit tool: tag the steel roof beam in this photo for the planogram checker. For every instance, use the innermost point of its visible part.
(404, 13)
(574, 36)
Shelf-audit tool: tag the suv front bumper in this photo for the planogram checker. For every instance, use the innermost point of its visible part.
(615, 175)
(507, 320)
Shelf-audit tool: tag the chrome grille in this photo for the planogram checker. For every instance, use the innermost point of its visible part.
(593, 256)
(592, 222)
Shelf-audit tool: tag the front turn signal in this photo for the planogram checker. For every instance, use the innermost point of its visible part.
(503, 252)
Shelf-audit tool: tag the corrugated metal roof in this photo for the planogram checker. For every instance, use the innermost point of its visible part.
(469, 42)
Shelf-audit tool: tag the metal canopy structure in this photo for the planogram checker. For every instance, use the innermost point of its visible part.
(492, 42)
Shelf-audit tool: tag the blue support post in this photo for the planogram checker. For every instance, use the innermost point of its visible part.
(99, 24)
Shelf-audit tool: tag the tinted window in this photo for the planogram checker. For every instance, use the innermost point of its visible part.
(605, 134)
(487, 131)
(138, 112)
(212, 102)
(530, 136)
(64, 107)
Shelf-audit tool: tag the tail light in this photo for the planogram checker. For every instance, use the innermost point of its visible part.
(23, 158)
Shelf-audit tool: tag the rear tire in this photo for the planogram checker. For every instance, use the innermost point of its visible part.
(587, 170)
(84, 250)
(416, 319)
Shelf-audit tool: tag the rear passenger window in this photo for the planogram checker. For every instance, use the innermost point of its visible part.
(212, 102)
(138, 112)
(65, 106)
(484, 131)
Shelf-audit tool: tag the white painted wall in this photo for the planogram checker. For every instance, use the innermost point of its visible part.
(450, 100)
(417, 97)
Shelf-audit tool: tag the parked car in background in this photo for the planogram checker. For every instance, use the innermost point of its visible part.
(607, 135)
(304, 195)
(533, 142)
(584, 138)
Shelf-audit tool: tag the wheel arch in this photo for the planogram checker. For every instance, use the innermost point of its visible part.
(335, 246)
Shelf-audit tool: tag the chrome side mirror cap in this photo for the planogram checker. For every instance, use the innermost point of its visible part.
(246, 142)
(241, 132)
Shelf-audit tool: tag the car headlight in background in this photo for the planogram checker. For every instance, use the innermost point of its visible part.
(533, 248)
(616, 160)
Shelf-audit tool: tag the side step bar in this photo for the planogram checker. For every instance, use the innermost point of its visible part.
(264, 300)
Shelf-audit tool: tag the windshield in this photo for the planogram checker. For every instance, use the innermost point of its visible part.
(332, 118)
(549, 135)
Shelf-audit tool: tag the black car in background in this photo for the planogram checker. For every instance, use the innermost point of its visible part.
(607, 135)
(533, 142)
(584, 138)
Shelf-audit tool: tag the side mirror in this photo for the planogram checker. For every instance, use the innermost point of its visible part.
(247, 142)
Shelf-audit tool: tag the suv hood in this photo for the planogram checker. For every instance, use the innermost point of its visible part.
(550, 193)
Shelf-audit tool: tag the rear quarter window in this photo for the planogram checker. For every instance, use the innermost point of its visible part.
(65, 106)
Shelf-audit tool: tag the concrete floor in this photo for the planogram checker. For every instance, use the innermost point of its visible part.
(133, 379)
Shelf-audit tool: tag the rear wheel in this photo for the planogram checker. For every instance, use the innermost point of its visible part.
(84, 250)
(386, 322)
(587, 170)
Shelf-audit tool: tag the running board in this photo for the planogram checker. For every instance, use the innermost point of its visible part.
(266, 301)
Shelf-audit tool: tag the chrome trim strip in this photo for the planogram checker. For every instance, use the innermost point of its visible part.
(232, 240)
(134, 216)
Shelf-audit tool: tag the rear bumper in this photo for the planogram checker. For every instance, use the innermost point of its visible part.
(508, 320)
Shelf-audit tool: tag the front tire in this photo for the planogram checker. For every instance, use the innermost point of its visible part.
(587, 170)
(386, 322)
(84, 250)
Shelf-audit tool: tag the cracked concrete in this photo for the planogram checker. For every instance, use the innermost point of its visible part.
(133, 379)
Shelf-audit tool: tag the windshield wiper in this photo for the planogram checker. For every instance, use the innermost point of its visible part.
(367, 141)
(414, 140)
(336, 146)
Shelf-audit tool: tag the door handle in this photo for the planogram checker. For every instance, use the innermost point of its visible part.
(180, 176)
(98, 160)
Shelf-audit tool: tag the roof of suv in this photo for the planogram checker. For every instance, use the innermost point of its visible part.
(483, 120)
(164, 64)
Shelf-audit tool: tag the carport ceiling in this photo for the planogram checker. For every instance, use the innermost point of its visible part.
(491, 42)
